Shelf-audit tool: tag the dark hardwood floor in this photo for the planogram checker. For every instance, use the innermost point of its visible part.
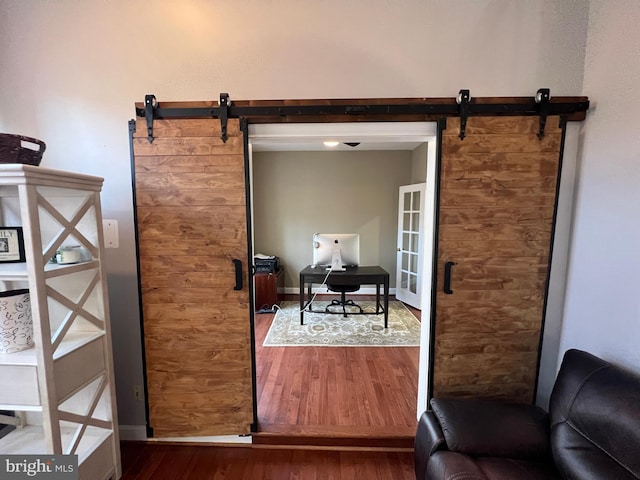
(358, 393)
(324, 413)
(149, 461)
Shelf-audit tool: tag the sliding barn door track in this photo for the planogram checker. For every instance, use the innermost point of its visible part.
(365, 110)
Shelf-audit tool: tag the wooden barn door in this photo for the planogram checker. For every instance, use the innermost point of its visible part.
(191, 212)
(497, 203)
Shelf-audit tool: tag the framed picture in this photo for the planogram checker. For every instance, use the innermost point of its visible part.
(11, 245)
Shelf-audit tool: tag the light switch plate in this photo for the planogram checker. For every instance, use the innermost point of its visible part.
(110, 229)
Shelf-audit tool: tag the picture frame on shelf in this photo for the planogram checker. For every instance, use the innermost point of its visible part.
(11, 245)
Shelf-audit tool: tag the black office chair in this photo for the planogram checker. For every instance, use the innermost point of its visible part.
(343, 302)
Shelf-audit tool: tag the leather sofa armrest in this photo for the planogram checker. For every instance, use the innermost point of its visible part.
(493, 428)
(429, 439)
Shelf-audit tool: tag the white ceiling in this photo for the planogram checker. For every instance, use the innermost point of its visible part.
(317, 145)
(310, 136)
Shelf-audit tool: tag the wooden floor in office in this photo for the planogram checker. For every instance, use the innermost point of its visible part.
(153, 461)
(352, 396)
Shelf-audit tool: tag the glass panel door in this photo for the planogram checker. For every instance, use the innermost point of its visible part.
(410, 229)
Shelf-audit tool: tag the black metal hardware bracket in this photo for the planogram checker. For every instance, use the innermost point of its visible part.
(542, 98)
(225, 103)
(463, 100)
(150, 104)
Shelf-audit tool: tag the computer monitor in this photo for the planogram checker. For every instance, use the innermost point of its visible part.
(336, 250)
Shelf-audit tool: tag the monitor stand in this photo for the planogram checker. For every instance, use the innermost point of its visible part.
(336, 262)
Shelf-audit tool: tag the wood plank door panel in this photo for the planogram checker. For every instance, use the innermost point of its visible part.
(192, 222)
(497, 206)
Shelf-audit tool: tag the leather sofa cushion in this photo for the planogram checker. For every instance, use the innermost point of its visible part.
(456, 466)
(447, 465)
(429, 439)
(595, 419)
(490, 428)
(575, 457)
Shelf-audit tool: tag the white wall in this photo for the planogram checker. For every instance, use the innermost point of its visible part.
(602, 310)
(70, 72)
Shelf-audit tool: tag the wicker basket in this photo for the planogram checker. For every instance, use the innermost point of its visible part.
(12, 150)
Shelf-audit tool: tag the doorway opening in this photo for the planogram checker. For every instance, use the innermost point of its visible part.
(292, 382)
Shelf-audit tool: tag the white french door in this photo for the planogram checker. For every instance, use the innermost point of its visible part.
(409, 256)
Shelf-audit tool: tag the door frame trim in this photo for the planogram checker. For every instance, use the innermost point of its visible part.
(248, 179)
(392, 131)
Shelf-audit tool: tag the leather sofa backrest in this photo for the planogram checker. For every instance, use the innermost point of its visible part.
(595, 419)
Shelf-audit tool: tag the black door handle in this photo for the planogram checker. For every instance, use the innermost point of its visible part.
(447, 277)
(238, 265)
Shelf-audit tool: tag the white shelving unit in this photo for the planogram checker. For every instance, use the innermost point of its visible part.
(64, 385)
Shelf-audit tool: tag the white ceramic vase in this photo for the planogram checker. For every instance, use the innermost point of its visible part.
(16, 324)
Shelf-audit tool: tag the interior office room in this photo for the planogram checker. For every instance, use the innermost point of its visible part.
(71, 74)
(299, 193)
(301, 188)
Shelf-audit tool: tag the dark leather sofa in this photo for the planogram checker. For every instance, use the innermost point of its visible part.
(592, 431)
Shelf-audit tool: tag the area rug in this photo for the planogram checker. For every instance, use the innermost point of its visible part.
(334, 330)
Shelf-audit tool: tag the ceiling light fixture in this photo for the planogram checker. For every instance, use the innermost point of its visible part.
(331, 143)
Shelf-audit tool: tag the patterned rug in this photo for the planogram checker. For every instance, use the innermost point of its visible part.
(332, 330)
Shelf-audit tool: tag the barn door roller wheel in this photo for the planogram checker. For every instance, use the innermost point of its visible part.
(150, 104)
(463, 100)
(225, 103)
(542, 98)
